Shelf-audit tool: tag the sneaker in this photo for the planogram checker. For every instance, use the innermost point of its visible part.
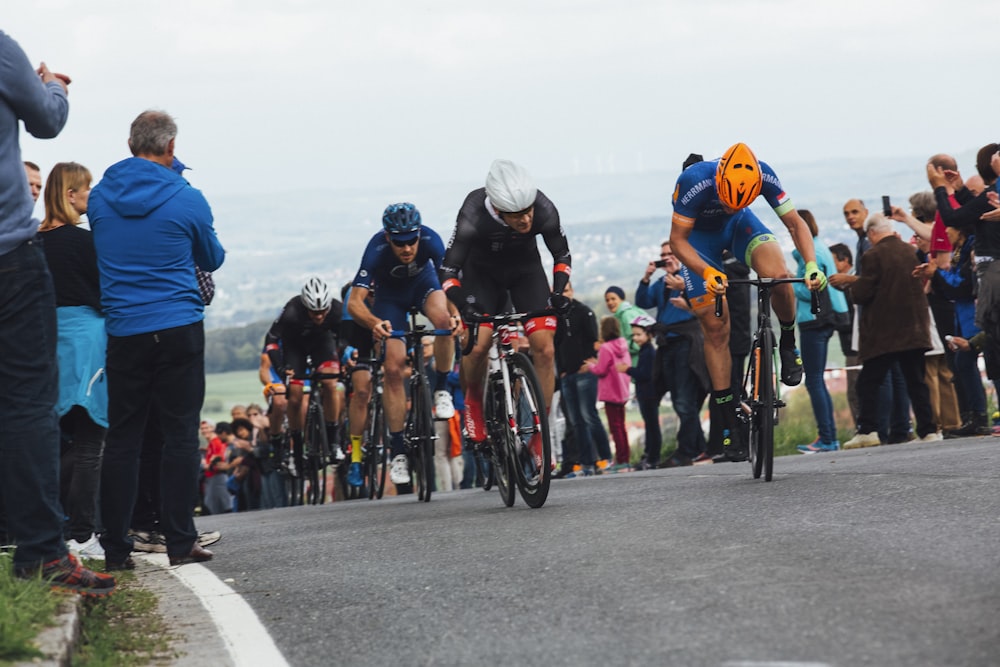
(933, 436)
(475, 426)
(620, 467)
(566, 471)
(675, 462)
(207, 538)
(603, 464)
(337, 455)
(127, 564)
(589, 471)
(400, 471)
(354, 477)
(702, 459)
(443, 406)
(791, 365)
(87, 549)
(819, 446)
(148, 541)
(863, 440)
(66, 574)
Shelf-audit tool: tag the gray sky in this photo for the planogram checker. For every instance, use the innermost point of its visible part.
(278, 96)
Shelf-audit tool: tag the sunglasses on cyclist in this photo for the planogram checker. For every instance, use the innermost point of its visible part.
(404, 244)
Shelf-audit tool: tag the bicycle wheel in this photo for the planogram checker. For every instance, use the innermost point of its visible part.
(501, 443)
(763, 402)
(422, 442)
(316, 455)
(376, 456)
(533, 448)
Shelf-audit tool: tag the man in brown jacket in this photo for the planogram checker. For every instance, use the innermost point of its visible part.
(894, 326)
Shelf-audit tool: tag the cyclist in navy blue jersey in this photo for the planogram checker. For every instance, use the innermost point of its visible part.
(400, 265)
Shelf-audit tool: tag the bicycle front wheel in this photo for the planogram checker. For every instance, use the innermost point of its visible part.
(501, 442)
(316, 453)
(376, 453)
(422, 442)
(764, 407)
(533, 448)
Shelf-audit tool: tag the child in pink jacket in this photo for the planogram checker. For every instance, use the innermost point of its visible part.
(613, 385)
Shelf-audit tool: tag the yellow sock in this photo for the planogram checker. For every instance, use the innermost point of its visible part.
(355, 449)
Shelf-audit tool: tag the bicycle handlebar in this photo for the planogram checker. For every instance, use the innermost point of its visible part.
(766, 284)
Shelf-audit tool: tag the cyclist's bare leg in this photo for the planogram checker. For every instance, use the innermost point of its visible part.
(394, 397)
(276, 414)
(436, 310)
(768, 261)
(715, 331)
(543, 358)
(295, 406)
(357, 411)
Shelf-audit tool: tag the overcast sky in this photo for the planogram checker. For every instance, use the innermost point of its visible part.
(277, 96)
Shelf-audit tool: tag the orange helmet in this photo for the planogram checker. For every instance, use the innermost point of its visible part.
(738, 178)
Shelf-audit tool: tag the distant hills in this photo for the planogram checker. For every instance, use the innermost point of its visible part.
(615, 223)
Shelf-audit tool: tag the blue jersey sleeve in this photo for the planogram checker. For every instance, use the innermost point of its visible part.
(431, 243)
(369, 262)
(773, 192)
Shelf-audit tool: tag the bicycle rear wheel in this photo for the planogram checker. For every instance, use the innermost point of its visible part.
(422, 442)
(764, 406)
(533, 448)
(501, 443)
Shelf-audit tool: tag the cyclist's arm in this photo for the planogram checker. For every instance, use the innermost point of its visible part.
(801, 236)
(680, 243)
(359, 311)
(454, 258)
(272, 341)
(555, 240)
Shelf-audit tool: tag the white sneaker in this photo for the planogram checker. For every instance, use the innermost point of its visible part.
(90, 549)
(443, 407)
(862, 440)
(933, 436)
(400, 471)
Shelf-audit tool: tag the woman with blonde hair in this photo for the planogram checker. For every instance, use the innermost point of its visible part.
(81, 346)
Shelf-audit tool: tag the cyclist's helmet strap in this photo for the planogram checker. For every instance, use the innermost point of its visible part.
(510, 187)
(316, 294)
(738, 177)
(401, 219)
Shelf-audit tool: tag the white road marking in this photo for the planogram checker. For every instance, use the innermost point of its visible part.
(244, 635)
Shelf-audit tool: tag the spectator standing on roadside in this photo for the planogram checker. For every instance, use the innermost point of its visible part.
(148, 221)
(82, 344)
(815, 333)
(679, 366)
(29, 431)
(843, 259)
(217, 498)
(894, 328)
(34, 174)
(613, 386)
(624, 312)
(646, 395)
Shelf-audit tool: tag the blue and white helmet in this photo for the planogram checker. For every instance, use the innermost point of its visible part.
(401, 221)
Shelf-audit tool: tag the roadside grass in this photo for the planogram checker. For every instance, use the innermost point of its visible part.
(122, 630)
(26, 607)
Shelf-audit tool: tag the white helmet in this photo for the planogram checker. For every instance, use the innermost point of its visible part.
(316, 294)
(510, 187)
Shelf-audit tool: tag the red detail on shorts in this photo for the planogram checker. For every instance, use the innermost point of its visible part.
(562, 268)
(451, 282)
(547, 323)
(271, 346)
(475, 426)
(332, 367)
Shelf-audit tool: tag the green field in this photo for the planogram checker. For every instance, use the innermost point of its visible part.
(224, 390)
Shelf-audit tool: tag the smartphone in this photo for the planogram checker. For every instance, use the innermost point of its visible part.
(886, 206)
(660, 263)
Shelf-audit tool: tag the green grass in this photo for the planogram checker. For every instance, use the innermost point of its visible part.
(224, 390)
(26, 607)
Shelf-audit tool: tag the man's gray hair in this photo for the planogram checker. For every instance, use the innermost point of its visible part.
(879, 223)
(151, 133)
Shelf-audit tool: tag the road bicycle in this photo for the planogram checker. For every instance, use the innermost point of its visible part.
(375, 437)
(418, 431)
(517, 427)
(307, 470)
(760, 403)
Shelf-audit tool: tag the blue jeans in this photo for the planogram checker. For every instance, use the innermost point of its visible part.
(29, 427)
(813, 345)
(272, 490)
(969, 383)
(686, 395)
(579, 393)
(165, 369)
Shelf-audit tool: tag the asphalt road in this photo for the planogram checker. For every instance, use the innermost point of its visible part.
(885, 556)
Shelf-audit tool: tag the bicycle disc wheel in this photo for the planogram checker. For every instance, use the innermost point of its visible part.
(422, 443)
(533, 448)
(501, 443)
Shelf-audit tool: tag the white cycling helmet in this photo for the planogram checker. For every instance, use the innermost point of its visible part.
(510, 187)
(316, 294)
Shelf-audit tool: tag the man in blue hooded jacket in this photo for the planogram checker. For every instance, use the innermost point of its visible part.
(151, 231)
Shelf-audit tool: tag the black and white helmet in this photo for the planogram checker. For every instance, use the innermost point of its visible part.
(316, 295)
(510, 187)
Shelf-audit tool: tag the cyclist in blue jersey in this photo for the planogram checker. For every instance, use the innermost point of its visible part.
(710, 204)
(400, 264)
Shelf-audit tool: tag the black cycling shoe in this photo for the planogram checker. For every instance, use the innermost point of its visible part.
(735, 448)
(791, 365)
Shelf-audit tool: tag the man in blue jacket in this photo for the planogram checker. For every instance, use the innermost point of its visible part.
(151, 231)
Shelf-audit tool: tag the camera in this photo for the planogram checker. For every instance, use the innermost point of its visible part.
(660, 263)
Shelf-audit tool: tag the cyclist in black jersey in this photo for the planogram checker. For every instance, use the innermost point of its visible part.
(492, 257)
(307, 327)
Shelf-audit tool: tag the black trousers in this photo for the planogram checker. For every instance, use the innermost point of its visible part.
(874, 371)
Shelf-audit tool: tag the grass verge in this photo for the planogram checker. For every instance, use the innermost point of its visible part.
(26, 607)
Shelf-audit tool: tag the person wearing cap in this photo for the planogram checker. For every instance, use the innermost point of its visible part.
(400, 264)
(493, 258)
(624, 312)
(151, 229)
(680, 359)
